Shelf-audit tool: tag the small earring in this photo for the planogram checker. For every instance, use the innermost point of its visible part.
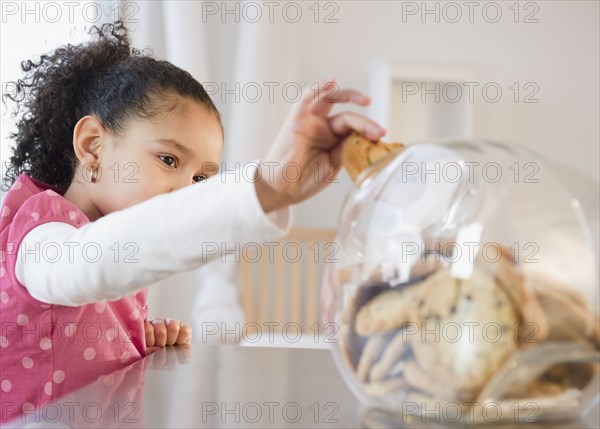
(93, 170)
(94, 176)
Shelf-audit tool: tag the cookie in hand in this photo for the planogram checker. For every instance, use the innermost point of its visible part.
(358, 153)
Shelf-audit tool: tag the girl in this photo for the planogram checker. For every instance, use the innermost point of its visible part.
(100, 205)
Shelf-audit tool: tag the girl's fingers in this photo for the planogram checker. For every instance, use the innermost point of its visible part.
(328, 92)
(343, 123)
(185, 334)
(173, 328)
(149, 334)
(345, 95)
(324, 104)
(160, 332)
(311, 92)
(320, 103)
(313, 95)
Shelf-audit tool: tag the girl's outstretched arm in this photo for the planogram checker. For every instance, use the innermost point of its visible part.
(127, 250)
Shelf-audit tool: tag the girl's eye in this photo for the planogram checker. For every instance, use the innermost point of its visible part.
(169, 157)
(200, 178)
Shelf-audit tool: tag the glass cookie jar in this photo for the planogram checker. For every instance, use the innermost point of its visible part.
(466, 286)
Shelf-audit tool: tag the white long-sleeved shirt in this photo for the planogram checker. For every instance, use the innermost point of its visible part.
(124, 251)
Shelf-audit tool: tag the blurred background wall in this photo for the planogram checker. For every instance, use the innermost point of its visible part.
(546, 65)
(544, 56)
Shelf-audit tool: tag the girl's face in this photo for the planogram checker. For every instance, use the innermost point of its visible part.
(155, 156)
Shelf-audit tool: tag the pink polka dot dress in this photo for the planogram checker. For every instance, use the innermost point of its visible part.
(49, 350)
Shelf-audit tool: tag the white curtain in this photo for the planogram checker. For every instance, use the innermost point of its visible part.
(172, 30)
(263, 56)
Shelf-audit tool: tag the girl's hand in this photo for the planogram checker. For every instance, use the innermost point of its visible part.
(306, 155)
(166, 332)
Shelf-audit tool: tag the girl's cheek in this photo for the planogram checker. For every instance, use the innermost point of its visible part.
(130, 183)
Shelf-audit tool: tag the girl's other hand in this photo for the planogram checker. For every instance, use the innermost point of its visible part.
(306, 154)
(166, 332)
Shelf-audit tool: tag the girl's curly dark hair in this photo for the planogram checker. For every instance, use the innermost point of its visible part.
(106, 78)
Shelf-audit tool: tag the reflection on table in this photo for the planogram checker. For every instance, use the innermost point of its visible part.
(225, 386)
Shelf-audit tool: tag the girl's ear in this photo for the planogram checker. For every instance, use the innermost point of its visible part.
(87, 139)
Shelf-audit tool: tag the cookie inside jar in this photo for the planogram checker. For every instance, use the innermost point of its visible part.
(424, 325)
(439, 338)
(431, 335)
